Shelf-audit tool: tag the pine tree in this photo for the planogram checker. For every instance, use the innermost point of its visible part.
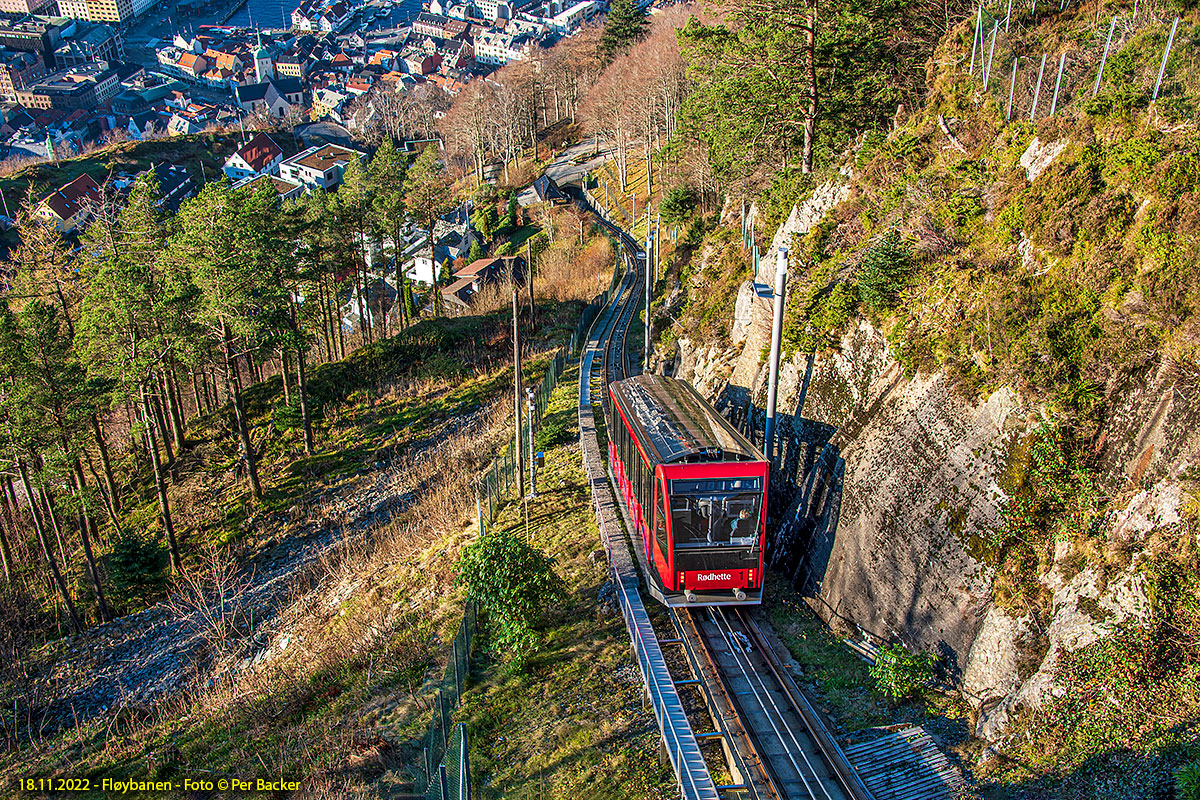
(428, 193)
(624, 25)
(135, 312)
(387, 208)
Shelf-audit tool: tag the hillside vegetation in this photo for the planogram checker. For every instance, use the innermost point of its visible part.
(1055, 256)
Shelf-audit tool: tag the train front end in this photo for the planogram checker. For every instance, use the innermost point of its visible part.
(716, 524)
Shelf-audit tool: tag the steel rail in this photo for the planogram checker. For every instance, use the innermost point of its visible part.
(777, 719)
(849, 779)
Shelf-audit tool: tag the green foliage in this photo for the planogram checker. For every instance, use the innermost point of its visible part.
(136, 566)
(899, 673)
(515, 584)
(678, 205)
(552, 432)
(788, 187)
(1187, 781)
(625, 24)
(484, 218)
(476, 252)
(751, 78)
(884, 270)
(820, 316)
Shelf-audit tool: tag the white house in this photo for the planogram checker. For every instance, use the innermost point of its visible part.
(259, 156)
(318, 167)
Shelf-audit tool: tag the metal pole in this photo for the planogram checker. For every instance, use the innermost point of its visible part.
(1062, 60)
(657, 245)
(443, 782)
(1166, 54)
(1012, 88)
(1038, 91)
(776, 340)
(1104, 58)
(649, 249)
(520, 454)
(1008, 16)
(479, 513)
(987, 73)
(530, 402)
(975, 39)
(464, 767)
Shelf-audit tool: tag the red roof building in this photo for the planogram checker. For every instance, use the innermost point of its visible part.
(259, 156)
(70, 206)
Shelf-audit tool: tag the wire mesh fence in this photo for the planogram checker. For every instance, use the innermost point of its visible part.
(445, 744)
(451, 778)
(1131, 59)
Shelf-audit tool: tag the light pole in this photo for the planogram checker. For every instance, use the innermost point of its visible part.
(776, 338)
(649, 250)
(530, 405)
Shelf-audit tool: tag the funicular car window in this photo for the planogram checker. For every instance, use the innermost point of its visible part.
(716, 512)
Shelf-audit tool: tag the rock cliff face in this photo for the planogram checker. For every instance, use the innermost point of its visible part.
(899, 481)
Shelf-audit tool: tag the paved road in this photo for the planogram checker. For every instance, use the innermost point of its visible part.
(566, 172)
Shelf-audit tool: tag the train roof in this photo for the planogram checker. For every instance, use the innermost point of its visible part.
(677, 424)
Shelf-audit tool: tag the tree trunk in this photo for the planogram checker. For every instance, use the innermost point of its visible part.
(108, 505)
(196, 394)
(302, 378)
(160, 420)
(233, 389)
(10, 496)
(285, 377)
(110, 484)
(160, 489)
(175, 406)
(5, 552)
(52, 515)
(86, 529)
(51, 564)
(810, 115)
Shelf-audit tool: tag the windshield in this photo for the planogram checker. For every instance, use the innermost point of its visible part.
(718, 512)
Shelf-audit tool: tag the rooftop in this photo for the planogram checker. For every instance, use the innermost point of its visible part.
(323, 157)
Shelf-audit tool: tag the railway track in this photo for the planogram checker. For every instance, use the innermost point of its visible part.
(775, 743)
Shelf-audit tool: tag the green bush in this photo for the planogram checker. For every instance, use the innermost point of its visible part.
(514, 583)
(899, 673)
(551, 433)
(884, 270)
(136, 566)
(678, 205)
(1187, 780)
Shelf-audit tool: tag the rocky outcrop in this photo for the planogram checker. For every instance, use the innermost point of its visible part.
(899, 481)
(1040, 155)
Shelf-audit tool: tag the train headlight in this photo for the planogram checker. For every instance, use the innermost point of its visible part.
(739, 595)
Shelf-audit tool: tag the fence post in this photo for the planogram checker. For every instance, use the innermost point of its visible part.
(1037, 93)
(1166, 55)
(464, 767)
(1104, 58)
(1062, 60)
(1012, 88)
(443, 782)
(457, 677)
(442, 718)
(987, 73)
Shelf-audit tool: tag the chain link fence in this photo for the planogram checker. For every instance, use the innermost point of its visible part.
(444, 750)
(452, 779)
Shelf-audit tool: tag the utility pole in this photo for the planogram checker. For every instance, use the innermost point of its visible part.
(530, 406)
(529, 281)
(517, 438)
(776, 339)
(649, 251)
